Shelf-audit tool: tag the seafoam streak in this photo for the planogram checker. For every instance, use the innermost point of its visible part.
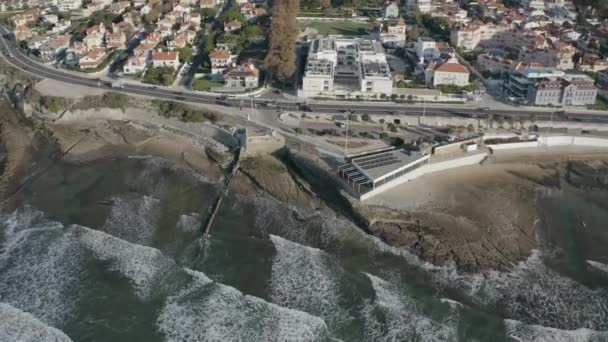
(16, 325)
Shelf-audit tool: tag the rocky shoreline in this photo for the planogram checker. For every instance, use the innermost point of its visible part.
(477, 218)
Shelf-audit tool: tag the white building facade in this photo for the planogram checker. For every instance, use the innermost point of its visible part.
(338, 66)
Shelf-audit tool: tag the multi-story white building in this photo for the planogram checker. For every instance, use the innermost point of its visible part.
(338, 66)
(471, 36)
(68, 5)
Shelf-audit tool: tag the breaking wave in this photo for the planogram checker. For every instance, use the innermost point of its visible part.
(535, 294)
(394, 316)
(209, 311)
(535, 333)
(133, 219)
(16, 325)
(304, 278)
(145, 267)
(598, 266)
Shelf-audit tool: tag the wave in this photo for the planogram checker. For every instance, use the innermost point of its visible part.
(304, 278)
(16, 325)
(400, 319)
(40, 263)
(133, 219)
(210, 311)
(535, 294)
(145, 267)
(598, 266)
(535, 333)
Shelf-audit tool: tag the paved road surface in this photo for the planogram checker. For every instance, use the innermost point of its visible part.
(9, 50)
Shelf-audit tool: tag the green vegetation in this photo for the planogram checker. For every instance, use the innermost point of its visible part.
(160, 76)
(453, 89)
(233, 13)
(202, 84)
(107, 100)
(184, 112)
(409, 84)
(208, 14)
(56, 104)
(339, 27)
(600, 104)
(185, 54)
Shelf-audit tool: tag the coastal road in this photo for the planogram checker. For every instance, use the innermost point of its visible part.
(11, 52)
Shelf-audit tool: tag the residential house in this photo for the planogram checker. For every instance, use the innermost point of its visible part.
(246, 75)
(221, 59)
(22, 32)
(393, 35)
(55, 46)
(119, 7)
(428, 49)
(144, 48)
(165, 59)
(92, 59)
(136, 64)
(116, 40)
(232, 26)
(449, 72)
(592, 63)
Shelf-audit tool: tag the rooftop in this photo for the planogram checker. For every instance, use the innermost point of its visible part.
(378, 165)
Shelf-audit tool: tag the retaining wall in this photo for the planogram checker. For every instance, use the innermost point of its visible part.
(427, 169)
(550, 141)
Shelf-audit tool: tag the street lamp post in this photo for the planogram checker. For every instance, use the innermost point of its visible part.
(346, 136)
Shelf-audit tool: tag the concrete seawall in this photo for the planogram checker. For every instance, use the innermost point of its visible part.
(427, 169)
(550, 141)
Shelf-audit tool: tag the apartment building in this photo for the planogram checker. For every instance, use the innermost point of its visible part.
(557, 55)
(346, 66)
(471, 36)
(550, 87)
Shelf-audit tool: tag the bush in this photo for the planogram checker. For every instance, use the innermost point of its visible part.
(183, 112)
(160, 76)
(366, 118)
(107, 100)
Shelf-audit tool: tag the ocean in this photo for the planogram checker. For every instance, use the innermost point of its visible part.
(113, 251)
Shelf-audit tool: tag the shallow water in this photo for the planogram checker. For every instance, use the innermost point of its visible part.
(111, 251)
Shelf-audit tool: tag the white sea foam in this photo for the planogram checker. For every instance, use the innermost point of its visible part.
(208, 311)
(133, 219)
(598, 266)
(535, 333)
(41, 266)
(535, 294)
(304, 278)
(16, 325)
(403, 319)
(145, 267)
(189, 223)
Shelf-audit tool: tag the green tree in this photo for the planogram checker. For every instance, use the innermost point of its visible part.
(185, 54)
